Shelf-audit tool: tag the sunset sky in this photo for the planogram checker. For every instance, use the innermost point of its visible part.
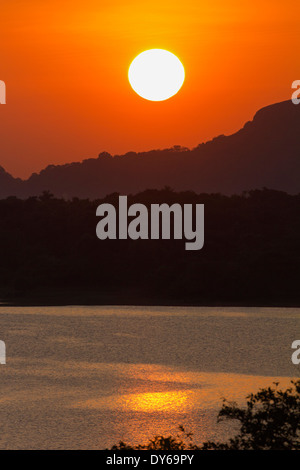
(65, 65)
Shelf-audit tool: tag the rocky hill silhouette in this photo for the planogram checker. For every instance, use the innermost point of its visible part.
(264, 153)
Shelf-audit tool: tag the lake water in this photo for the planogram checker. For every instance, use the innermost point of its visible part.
(87, 377)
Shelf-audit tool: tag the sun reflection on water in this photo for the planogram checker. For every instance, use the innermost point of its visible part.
(151, 388)
(176, 401)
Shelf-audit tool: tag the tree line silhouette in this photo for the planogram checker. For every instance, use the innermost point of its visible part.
(49, 253)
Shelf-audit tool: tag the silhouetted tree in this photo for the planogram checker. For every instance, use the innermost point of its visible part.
(270, 421)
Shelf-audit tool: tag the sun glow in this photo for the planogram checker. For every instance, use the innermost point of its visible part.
(156, 75)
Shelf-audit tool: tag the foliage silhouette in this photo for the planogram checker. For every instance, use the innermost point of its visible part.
(270, 421)
(181, 441)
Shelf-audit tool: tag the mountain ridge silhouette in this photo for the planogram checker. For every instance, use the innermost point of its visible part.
(263, 153)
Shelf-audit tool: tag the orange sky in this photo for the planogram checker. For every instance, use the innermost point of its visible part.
(65, 66)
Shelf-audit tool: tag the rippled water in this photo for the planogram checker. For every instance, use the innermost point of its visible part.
(86, 377)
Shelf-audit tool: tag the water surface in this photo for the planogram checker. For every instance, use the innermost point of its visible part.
(86, 377)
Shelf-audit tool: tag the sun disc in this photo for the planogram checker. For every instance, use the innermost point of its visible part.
(156, 74)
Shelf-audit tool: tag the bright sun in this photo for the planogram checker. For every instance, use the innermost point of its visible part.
(156, 74)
